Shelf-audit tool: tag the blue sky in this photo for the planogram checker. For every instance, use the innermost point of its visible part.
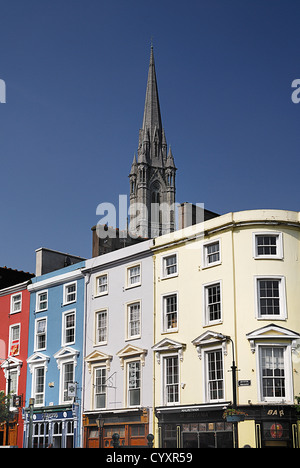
(75, 74)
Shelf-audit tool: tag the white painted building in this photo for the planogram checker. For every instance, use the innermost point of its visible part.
(117, 380)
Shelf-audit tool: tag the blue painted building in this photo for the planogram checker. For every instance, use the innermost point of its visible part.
(55, 356)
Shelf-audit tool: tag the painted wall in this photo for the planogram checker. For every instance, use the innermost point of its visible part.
(16, 358)
(56, 350)
(237, 272)
(116, 300)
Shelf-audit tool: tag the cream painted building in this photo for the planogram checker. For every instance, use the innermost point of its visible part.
(230, 284)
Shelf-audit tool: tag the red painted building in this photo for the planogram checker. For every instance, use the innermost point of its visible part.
(14, 322)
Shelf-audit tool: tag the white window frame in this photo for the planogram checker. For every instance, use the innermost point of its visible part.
(66, 301)
(64, 329)
(62, 377)
(36, 348)
(34, 382)
(128, 362)
(206, 352)
(95, 369)
(97, 292)
(279, 245)
(14, 383)
(287, 359)
(13, 302)
(165, 328)
(164, 380)
(38, 302)
(282, 298)
(129, 277)
(129, 336)
(206, 313)
(97, 313)
(205, 255)
(18, 326)
(164, 267)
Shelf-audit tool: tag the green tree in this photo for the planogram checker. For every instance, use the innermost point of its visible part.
(4, 407)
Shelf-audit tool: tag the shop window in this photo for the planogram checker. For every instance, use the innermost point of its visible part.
(40, 435)
(69, 434)
(138, 430)
(276, 434)
(57, 435)
(207, 435)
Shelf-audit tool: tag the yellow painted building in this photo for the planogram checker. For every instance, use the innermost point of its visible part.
(230, 285)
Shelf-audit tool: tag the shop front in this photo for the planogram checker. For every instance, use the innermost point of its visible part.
(193, 427)
(275, 426)
(55, 427)
(9, 432)
(132, 427)
(265, 426)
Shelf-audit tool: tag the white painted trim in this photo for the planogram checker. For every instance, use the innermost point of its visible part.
(55, 280)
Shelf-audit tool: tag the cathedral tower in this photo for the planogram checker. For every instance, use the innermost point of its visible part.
(152, 175)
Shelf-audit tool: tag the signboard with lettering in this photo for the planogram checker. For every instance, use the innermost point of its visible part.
(244, 383)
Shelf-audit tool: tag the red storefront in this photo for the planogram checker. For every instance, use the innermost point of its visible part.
(14, 319)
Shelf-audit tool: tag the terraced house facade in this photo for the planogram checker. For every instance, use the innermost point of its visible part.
(54, 377)
(227, 293)
(117, 382)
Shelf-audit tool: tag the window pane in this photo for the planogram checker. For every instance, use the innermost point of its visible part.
(170, 265)
(215, 375)
(273, 374)
(16, 303)
(100, 388)
(134, 275)
(170, 304)
(213, 252)
(102, 326)
(134, 383)
(214, 302)
(269, 297)
(71, 292)
(41, 334)
(70, 328)
(266, 245)
(42, 301)
(39, 385)
(134, 320)
(102, 284)
(68, 378)
(172, 380)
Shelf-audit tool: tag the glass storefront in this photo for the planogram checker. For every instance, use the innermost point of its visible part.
(194, 428)
(57, 429)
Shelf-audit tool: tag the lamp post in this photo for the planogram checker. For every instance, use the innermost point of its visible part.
(31, 405)
(8, 401)
(100, 424)
(222, 337)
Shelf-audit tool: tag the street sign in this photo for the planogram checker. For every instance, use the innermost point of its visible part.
(244, 383)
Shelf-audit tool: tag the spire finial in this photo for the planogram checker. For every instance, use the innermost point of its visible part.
(152, 117)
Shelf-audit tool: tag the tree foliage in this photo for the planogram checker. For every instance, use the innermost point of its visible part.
(4, 407)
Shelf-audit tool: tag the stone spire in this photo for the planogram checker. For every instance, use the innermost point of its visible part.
(152, 175)
(152, 117)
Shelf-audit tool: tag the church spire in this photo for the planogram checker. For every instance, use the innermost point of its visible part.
(152, 117)
(152, 176)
